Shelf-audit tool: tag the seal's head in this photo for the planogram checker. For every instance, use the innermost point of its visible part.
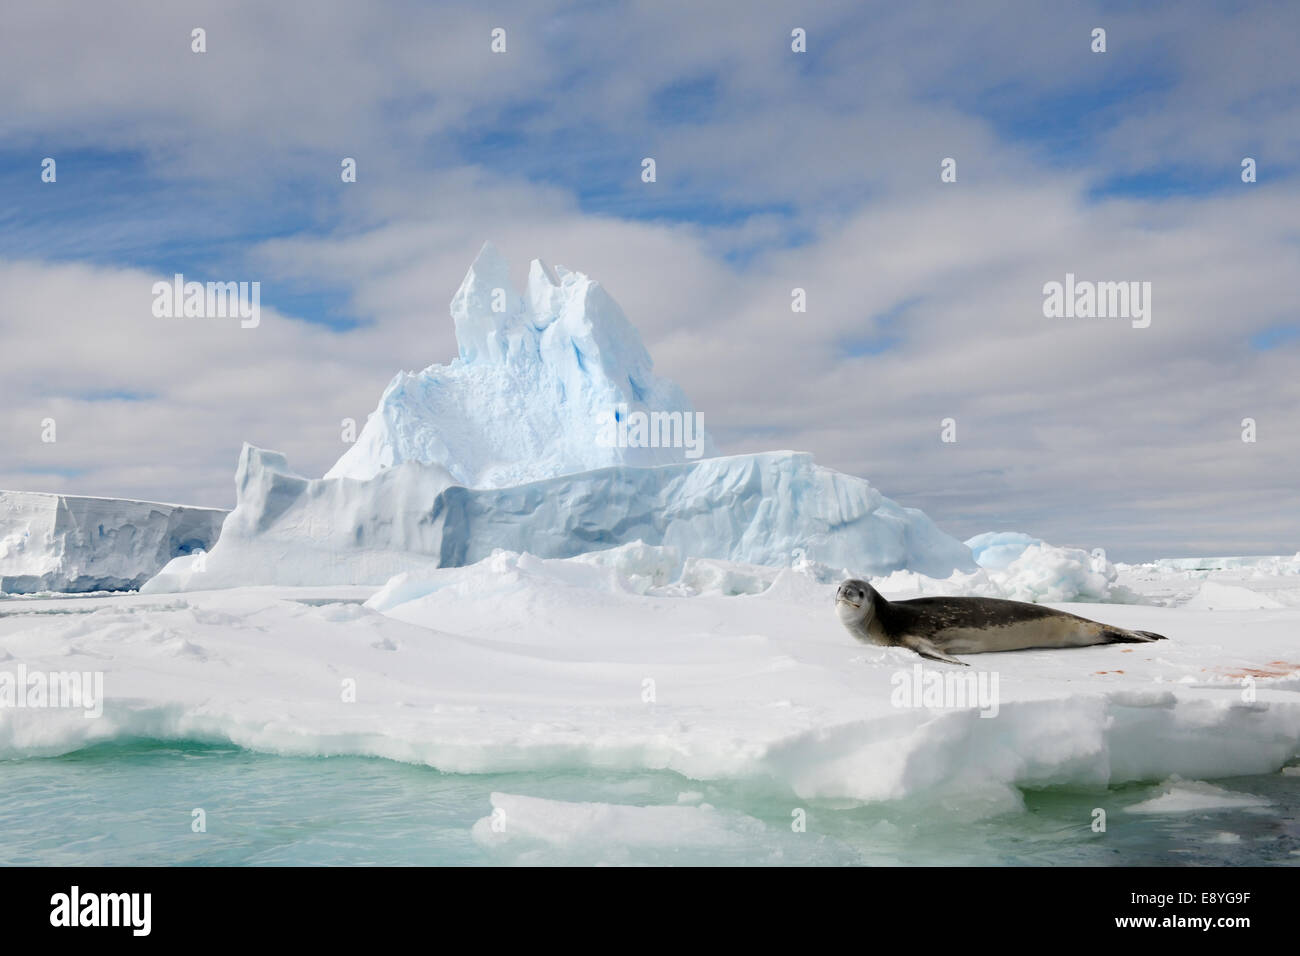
(855, 602)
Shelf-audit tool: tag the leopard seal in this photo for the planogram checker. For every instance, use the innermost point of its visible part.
(939, 627)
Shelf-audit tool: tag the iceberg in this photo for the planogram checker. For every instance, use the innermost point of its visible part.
(70, 543)
(772, 509)
(543, 386)
(518, 444)
(995, 550)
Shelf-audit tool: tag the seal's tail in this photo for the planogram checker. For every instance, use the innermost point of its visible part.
(1115, 635)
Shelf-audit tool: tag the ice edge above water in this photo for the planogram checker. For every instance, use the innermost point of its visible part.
(518, 663)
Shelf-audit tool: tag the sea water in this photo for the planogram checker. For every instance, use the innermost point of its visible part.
(135, 803)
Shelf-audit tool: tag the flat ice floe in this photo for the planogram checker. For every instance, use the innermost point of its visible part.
(626, 660)
(1193, 796)
(561, 823)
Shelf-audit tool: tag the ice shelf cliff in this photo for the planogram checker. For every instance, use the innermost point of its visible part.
(72, 543)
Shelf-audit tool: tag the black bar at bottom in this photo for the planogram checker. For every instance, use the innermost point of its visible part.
(327, 906)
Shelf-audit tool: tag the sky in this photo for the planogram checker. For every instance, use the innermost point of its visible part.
(775, 170)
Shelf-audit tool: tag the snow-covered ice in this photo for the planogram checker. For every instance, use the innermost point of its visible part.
(1023, 570)
(1219, 583)
(480, 586)
(1261, 563)
(1216, 596)
(72, 543)
(613, 661)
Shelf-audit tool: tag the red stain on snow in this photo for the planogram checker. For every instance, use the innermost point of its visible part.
(1271, 669)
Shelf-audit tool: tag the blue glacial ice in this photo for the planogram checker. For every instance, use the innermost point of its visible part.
(538, 377)
(503, 449)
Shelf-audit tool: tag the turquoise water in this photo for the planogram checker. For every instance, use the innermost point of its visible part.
(131, 803)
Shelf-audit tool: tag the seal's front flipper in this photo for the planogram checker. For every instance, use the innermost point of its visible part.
(926, 648)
